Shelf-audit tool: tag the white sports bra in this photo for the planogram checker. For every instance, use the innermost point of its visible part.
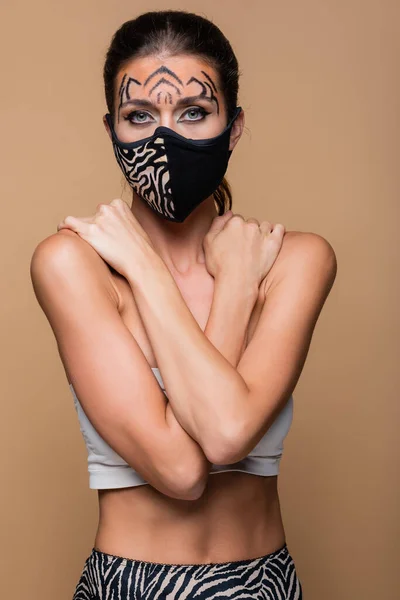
(108, 470)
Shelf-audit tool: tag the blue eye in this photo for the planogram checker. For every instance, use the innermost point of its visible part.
(197, 110)
(136, 113)
(138, 117)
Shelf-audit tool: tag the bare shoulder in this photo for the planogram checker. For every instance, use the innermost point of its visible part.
(303, 252)
(302, 244)
(63, 250)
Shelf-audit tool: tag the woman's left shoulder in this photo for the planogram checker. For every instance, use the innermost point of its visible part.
(303, 251)
(295, 242)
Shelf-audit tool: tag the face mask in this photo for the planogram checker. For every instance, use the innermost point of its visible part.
(172, 173)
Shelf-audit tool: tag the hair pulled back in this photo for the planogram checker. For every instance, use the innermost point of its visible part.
(170, 33)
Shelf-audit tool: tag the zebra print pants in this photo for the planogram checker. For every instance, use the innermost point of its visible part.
(109, 577)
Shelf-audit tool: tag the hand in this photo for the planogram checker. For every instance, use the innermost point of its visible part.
(242, 248)
(113, 232)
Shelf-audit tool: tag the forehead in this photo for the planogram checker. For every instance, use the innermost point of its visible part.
(182, 72)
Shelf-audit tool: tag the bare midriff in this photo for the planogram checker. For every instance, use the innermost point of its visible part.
(237, 517)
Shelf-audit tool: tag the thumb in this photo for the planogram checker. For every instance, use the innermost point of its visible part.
(218, 223)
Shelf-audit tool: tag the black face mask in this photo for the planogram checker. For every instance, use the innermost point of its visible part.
(172, 173)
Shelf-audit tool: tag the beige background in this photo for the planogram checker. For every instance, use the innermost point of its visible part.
(320, 89)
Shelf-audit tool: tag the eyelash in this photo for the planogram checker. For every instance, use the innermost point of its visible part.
(201, 110)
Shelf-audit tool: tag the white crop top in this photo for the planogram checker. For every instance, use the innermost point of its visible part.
(109, 470)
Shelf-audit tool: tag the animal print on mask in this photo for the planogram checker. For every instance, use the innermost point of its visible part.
(150, 181)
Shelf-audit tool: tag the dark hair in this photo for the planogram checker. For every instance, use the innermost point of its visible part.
(174, 32)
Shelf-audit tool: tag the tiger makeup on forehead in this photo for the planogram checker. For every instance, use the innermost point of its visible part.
(172, 86)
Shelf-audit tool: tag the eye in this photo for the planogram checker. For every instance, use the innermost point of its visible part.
(196, 110)
(140, 114)
(138, 117)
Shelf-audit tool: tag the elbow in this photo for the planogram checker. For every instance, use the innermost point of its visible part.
(189, 481)
(226, 455)
(193, 490)
(227, 450)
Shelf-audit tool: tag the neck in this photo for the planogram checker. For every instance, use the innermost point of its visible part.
(180, 245)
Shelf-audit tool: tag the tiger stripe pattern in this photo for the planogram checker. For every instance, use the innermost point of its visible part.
(110, 577)
(146, 169)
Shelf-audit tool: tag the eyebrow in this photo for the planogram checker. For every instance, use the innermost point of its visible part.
(180, 102)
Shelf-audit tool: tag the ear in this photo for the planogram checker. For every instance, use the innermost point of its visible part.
(237, 130)
(106, 125)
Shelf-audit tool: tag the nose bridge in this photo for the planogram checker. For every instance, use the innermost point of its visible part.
(167, 116)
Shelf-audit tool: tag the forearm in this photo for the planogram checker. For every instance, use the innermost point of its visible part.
(206, 392)
(229, 318)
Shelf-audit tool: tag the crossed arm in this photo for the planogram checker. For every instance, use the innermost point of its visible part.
(109, 371)
(226, 405)
(228, 402)
(226, 330)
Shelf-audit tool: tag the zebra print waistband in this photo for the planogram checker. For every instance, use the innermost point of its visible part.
(247, 561)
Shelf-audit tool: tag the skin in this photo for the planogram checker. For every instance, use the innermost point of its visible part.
(238, 516)
(196, 517)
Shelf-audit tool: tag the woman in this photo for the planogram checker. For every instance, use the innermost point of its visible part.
(182, 332)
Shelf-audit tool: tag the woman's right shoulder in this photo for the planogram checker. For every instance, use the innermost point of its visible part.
(66, 254)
